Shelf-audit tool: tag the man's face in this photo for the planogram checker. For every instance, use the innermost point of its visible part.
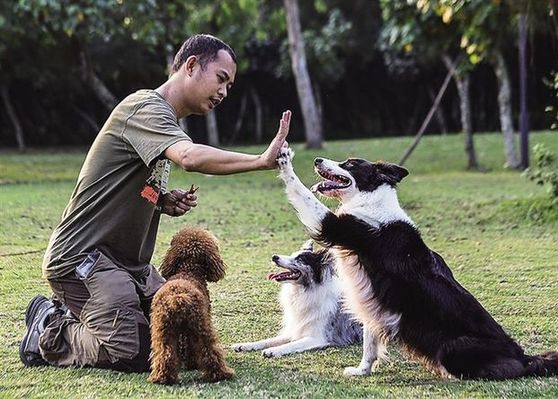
(210, 85)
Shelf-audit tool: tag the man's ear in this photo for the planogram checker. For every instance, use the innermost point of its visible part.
(393, 171)
(190, 63)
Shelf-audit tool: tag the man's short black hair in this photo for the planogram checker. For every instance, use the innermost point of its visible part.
(204, 46)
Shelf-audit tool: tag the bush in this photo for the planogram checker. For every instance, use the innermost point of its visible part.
(545, 170)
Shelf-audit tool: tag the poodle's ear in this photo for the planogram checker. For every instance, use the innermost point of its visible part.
(307, 246)
(171, 262)
(215, 267)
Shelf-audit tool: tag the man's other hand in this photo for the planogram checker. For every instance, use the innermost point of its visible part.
(177, 202)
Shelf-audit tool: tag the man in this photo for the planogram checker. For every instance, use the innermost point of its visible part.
(97, 260)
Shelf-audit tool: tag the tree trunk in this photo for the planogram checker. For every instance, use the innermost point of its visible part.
(554, 8)
(523, 114)
(88, 120)
(463, 88)
(505, 107)
(239, 119)
(463, 83)
(440, 118)
(319, 105)
(428, 118)
(13, 117)
(312, 123)
(258, 110)
(96, 84)
(212, 131)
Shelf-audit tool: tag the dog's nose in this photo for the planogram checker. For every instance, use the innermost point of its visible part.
(275, 258)
(318, 161)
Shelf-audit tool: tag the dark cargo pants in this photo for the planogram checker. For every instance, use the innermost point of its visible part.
(109, 325)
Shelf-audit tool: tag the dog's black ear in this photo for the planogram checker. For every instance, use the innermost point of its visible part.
(393, 172)
(307, 246)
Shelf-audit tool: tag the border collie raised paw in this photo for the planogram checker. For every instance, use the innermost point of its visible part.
(396, 286)
(313, 313)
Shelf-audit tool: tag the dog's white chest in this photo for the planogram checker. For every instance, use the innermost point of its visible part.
(305, 312)
(360, 298)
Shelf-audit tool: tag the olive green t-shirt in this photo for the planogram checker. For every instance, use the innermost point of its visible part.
(113, 207)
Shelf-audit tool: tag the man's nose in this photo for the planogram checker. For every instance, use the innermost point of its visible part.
(222, 92)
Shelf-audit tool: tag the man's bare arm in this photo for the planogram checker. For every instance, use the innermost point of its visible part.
(206, 159)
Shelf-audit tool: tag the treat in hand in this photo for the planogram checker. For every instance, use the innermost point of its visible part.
(193, 189)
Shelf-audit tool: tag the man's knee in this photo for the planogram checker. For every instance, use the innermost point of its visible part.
(137, 363)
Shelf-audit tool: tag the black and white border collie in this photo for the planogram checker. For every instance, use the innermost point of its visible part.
(313, 313)
(396, 286)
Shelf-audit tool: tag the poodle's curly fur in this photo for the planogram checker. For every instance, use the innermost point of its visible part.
(181, 329)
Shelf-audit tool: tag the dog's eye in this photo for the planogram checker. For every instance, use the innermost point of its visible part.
(349, 164)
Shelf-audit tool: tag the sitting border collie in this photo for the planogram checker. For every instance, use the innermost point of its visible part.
(313, 313)
(396, 286)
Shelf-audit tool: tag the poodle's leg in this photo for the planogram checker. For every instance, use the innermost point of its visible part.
(259, 345)
(165, 361)
(371, 347)
(300, 345)
(210, 357)
(187, 354)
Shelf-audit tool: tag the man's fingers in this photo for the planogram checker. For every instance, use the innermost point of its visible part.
(287, 116)
(186, 205)
(284, 125)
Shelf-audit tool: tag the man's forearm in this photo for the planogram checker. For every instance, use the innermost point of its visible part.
(211, 160)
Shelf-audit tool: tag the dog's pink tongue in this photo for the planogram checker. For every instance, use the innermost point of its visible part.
(323, 186)
(272, 275)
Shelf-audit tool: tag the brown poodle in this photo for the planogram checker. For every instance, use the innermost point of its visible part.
(181, 329)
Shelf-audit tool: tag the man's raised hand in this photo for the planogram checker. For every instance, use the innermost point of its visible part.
(270, 155)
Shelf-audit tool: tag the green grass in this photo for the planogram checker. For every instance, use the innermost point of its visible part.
(496, 230)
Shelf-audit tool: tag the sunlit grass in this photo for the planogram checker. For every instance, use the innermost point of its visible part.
(486, 225)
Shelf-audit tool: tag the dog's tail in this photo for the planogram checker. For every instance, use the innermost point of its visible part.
(543, 365)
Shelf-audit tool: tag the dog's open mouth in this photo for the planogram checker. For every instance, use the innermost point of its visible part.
(331, 182)
(283, 276)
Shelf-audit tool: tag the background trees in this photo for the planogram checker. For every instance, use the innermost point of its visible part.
(373, 66)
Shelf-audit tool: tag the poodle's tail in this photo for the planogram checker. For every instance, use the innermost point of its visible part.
(543, 365)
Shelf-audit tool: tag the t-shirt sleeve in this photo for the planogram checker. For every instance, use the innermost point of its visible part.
(151, 129)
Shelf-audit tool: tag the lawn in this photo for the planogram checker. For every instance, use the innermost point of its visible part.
(496, 230)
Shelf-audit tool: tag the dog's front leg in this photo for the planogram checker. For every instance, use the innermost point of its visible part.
(259, 345)
(310, 211)
(369, 355)
(300, 345)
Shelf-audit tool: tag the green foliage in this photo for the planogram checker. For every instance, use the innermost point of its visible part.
(324, 47)
(486, 25)
(537, 211)
(413, 33)
(332, 32)
(552, 108)
(128, 43)
(545, 170)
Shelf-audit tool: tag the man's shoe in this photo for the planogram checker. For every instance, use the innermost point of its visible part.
(37, 317)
